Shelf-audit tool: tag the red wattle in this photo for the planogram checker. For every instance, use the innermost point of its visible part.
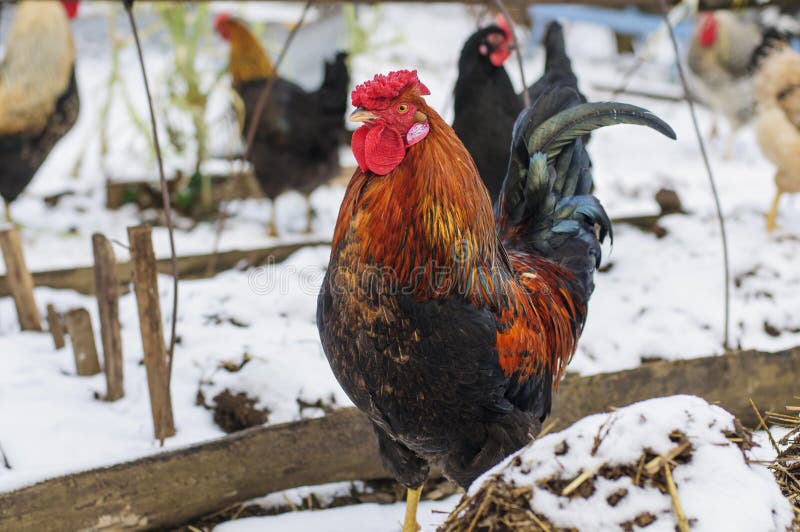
(378, 149)
(358, 144)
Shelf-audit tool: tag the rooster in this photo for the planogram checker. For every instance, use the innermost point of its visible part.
(39, 100)
(719, 60)
(449, 339)
(297, 141)
(486, 104)
(778, 115)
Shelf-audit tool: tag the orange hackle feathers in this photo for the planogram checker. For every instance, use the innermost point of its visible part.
(248, 61)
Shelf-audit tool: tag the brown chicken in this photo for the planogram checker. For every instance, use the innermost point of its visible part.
(447, 325)
(39, 100)
(778, 118)
(719, 60)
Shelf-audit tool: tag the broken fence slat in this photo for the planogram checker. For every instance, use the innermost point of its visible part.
(145, 283)
(55, 327)
(81, 336)
(107, 291)
(19, 280)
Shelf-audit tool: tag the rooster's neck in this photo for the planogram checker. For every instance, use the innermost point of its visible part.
(248, 61)
(429, 222)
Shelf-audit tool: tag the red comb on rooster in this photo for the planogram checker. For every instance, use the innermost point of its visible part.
(388, 131)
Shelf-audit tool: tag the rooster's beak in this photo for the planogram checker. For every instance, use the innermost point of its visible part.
(362, 115)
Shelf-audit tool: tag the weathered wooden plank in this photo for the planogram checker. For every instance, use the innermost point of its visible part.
(189, 267)
(173, 487)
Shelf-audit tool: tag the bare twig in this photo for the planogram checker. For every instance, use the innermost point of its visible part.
(578, 481)
(6, 463)
(712, 182)
(683, 524)
(763, 425)
(652, 467)
(164, 193)
(525, 96)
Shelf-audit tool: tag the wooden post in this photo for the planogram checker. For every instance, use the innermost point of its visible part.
(20, 281)
(81, 334)
(145, 284)
(107, 289)
(54, 324)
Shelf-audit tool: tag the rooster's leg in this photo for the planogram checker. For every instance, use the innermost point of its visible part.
(713, 133)
(412, 501)
(772, 215)
(272, 226)
(7, 206)
(730, 142)
(309, 214)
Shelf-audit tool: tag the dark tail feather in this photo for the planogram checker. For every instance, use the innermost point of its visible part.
(335, 85)
(545, 207)
(771, 39)
(556, 57)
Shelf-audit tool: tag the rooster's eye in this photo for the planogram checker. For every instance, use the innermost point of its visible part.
(402, 108)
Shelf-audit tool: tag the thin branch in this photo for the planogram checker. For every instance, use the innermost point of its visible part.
(164, 192)
(5, 461)
(526, 98)
(712, 182)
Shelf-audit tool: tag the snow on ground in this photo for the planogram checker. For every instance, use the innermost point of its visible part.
(716, 487)
(661, 297)
(372, 517)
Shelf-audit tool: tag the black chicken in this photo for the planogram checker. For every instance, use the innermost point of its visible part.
(296, 146)
(486, 104)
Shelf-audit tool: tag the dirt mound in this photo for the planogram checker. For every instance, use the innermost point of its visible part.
(677, 461)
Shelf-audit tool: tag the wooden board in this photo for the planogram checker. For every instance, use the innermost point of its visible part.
(170, 488)
(189, 267)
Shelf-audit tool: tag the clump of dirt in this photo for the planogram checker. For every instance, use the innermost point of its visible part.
(669, 202)
(237, 412)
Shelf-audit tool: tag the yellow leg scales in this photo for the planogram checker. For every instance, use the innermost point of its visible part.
(412, 501)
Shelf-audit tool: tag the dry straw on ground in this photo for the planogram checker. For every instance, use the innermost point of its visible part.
(500, 506)
(786, 466)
